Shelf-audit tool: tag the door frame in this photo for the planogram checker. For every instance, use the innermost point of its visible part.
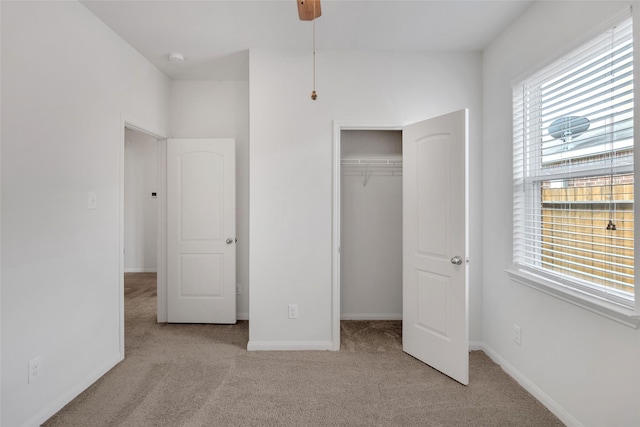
(138, 126)
(338, 127)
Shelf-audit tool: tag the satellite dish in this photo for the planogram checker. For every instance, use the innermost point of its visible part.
(568, 127)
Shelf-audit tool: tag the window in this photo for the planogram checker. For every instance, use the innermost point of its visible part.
(573, 170)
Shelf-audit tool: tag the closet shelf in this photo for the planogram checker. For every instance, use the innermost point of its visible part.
(372, 162)
(371, 167)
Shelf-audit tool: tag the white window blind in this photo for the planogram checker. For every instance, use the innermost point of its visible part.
(573, 168)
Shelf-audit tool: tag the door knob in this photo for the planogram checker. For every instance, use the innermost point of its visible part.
(230, 241)
(456, 260)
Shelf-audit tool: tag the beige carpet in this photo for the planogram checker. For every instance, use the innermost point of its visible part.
(202, 375)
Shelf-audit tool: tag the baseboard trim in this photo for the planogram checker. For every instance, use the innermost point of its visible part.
(542, 397)
(477, 345)
(289, 345)
(371, 316)
(63, 399)
(140, 270)
(239, 316)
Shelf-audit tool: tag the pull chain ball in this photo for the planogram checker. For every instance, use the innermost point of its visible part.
(314, 95)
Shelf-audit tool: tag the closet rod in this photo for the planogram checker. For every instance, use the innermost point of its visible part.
(367, 173)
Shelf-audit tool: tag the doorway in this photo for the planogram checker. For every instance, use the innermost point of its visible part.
(371, 225)
(435, 227)
(141, 141)
(140, 221)
(338, 129)
(140, 202)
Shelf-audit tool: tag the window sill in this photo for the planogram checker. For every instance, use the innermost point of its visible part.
(608, 309)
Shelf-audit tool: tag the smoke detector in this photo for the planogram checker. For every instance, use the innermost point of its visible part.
(176, 58)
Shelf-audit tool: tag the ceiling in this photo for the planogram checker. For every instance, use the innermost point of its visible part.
(214, 36)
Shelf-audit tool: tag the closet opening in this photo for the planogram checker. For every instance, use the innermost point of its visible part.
(370, 217)
(432, 232)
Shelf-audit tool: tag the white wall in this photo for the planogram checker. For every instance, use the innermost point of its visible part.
(67, 83)
(371, 228)
(140, 208)
(585, 366)
(220, 109)
(291, 170)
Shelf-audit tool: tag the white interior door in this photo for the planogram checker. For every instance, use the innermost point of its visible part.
(201, 250)
(435, 228)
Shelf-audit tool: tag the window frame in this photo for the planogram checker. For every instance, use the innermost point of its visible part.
(569, 289)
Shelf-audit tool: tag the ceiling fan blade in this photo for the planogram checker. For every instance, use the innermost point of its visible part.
(308, 10)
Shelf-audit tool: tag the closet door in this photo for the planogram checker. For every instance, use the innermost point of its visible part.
(435, 228)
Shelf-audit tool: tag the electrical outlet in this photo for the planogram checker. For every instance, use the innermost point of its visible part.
(35, 369)
(293, 311)
(238, 289)
(516, 334)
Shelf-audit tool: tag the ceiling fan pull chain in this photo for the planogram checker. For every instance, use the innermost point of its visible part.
(314, 96)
